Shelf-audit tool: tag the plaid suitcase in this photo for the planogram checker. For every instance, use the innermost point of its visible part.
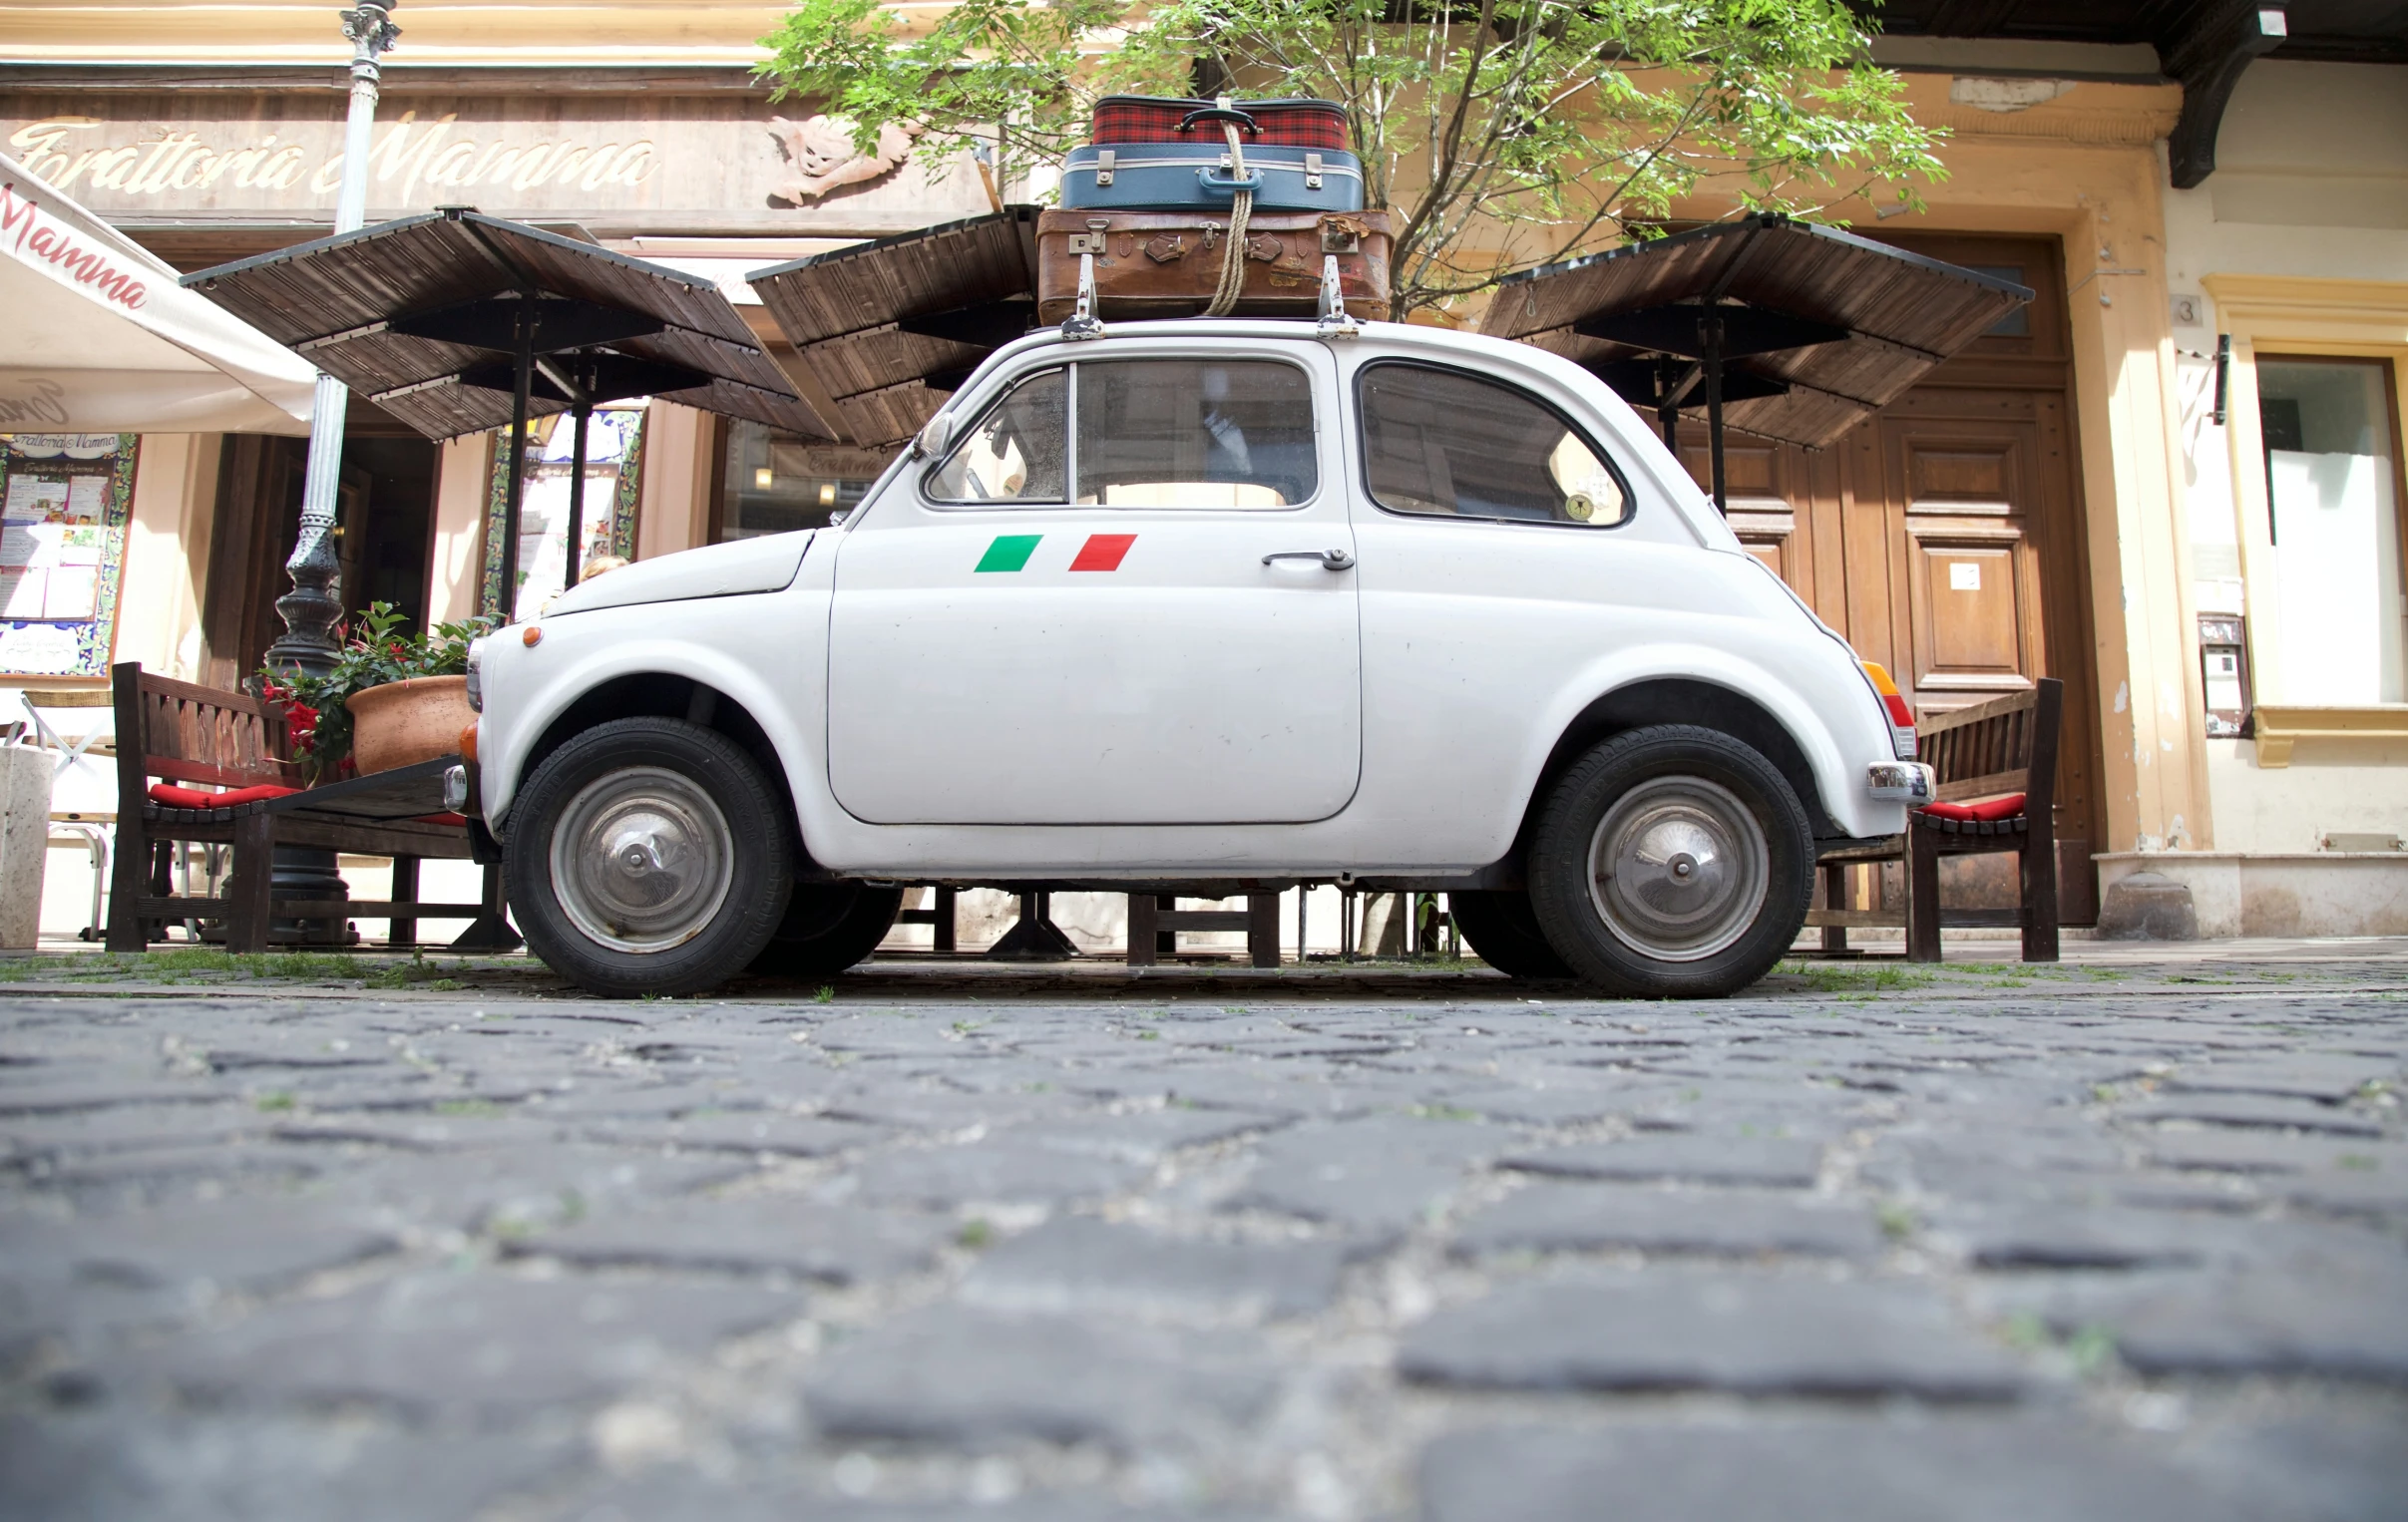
(1168, 263)
(1170, 175)
(1273, 124)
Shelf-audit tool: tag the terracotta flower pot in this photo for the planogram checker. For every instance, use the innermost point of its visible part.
(405, 722)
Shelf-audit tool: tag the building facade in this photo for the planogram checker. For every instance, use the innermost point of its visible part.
(2202, 537)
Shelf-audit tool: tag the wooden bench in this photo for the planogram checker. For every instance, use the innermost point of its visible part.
(1991, 750)
(181, 733)
(1155, 921)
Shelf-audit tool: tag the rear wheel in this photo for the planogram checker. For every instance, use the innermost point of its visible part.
(1505, 931)
(828, 927)
(648, 856)
(1672, 862)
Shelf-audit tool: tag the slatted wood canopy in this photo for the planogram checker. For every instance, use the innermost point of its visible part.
(456, 322)
(1777, 327)
(418, 315)
(892, 327)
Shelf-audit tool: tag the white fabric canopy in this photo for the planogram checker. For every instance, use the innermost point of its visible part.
(98, 337)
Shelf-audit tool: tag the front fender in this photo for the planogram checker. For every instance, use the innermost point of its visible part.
(719, 643)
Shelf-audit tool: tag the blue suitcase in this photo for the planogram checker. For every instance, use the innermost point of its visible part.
(1180, 177)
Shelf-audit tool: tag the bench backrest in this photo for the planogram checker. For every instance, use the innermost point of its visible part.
(2006, 745)
(184, 733)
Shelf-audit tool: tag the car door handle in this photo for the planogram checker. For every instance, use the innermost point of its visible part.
(1330, 560)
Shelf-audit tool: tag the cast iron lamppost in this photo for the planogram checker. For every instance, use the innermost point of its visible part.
(315, 602)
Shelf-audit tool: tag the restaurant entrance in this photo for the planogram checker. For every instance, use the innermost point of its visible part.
(1944, 538)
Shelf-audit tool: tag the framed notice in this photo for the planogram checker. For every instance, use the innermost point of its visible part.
(614, 469)
(64, 501)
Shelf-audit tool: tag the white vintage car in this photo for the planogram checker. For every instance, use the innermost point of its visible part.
(1206, 606)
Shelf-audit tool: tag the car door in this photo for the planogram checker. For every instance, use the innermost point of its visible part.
(1124, 596)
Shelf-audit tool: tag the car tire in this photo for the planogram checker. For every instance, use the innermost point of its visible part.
(648, 856)
(1672, 862)
(828, 927)
(1504, 930)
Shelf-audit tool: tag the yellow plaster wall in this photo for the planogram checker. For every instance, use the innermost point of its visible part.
(674, 499)
(527, 32)
(463, 469)
(167, 553)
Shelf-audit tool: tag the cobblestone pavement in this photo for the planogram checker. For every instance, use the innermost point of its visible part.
(2095, 1241)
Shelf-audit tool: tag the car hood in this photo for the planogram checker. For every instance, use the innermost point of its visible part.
(767, 564)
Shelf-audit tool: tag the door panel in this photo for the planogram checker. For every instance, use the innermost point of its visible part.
(1970, 620)
(1187, 683)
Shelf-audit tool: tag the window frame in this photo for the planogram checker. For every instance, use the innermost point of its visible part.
(1362, 450)
(1070, 502)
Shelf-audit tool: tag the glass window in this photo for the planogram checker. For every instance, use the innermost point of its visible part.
(2332, 492)
(1448, 444)
(1195, 433)
(1015, 452)
(776, 483)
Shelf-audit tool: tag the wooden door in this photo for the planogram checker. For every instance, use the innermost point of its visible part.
(1943, 537)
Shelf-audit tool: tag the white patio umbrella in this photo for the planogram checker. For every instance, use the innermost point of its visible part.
(97, 336)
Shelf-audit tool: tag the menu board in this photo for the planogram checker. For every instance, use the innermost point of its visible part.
(613, 468)
(64, 503)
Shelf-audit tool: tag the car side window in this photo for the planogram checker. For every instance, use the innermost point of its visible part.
(1194, 433)
(1440, 442)
(1015, 452)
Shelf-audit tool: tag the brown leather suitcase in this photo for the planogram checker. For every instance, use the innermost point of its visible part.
(1168, 263)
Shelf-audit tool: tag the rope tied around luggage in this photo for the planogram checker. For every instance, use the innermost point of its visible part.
(1241, 208)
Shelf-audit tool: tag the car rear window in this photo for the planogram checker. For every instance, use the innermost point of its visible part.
(1444, 444)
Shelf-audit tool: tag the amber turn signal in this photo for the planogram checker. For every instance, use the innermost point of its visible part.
(532, 638)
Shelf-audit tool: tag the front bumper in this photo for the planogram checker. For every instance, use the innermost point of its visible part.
(1908, 782)
(461, 790)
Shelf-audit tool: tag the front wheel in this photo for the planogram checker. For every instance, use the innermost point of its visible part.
(648, 856)
(1672, 862)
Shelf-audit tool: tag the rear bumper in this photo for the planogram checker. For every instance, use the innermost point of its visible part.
(1907, 782)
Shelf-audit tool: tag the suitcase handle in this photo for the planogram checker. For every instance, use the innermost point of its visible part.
(1231, 114)
(1228, 183)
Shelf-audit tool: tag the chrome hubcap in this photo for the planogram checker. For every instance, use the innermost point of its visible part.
(1677, 868)
(641, 860)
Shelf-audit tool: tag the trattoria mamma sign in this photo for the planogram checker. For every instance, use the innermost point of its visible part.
(33, 236)
(714, 162)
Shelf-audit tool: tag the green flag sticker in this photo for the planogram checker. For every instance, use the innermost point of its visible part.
(1010, 551)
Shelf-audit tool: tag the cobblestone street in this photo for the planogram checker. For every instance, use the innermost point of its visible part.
(2116, 1239)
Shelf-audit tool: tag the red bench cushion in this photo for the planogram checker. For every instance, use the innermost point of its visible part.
(2006, 806)
(174, 797)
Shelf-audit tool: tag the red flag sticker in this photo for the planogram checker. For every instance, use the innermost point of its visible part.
(1103, 552)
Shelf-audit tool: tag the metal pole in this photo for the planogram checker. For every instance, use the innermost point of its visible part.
(577, 500)
(315, 603)
(522, 381)
(1709, 328)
